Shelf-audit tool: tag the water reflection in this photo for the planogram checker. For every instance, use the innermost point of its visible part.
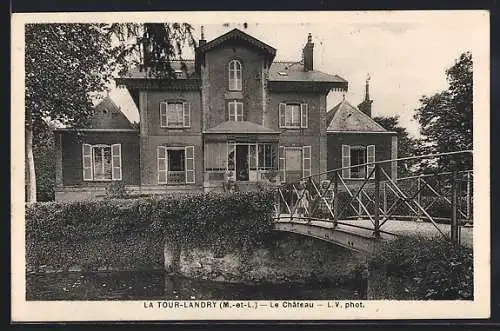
(157, 285)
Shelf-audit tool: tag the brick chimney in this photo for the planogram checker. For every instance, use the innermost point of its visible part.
(366, 105)
(307, 53)
(197, 56)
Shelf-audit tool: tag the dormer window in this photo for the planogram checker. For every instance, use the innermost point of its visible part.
(235, 75)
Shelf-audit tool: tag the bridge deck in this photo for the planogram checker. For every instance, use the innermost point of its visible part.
(364, 228)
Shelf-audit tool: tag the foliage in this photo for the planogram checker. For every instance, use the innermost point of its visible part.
(445, 118)
(407, 145)
(116, 190)
(67, 64)
(129, 233)
(44, 156)
(431, 268)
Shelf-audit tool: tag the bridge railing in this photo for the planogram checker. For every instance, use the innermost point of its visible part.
(436, 189)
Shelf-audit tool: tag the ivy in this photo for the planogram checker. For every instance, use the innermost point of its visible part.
(130, 233)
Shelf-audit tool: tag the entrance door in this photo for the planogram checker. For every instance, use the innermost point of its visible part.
(242, 173)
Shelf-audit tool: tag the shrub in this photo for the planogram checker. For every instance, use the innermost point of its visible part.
(129, 233)
(116, 190)
(430, 268)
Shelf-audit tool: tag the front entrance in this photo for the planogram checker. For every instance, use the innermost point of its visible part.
(242, 166)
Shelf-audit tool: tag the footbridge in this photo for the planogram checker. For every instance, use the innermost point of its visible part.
(432, 197)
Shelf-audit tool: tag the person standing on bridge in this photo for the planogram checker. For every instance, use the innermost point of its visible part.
(304, 197)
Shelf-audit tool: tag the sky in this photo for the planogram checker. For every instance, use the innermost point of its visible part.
(404, 53)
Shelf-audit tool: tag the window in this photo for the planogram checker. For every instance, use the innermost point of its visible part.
(235, 75)
(175, 165)
(294, 163)
(175, 115)
(101, 162)
(354, 155)
(243, 161)
(293, 115)
(235, 109)
(267, 156)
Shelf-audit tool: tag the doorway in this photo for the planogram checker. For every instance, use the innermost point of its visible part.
(242, 170)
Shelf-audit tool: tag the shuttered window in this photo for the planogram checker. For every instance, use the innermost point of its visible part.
(293, 116)
(303, 115)
(176, 165)
(346, 161)
(370, 157)
(190, 175)
(87, 162)
(101, 162)
(116, 161)
(175, 114)
(161, 154)
(306, 161)
(282, 163)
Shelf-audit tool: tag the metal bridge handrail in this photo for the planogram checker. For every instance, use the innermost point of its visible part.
(426, 156)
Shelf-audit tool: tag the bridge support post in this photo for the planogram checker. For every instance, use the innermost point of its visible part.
(376, 233)
(454, 218)
(335, 198)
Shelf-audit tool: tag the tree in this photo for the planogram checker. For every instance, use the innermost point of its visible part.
(407, 145)
(65, 64)
(445, 118)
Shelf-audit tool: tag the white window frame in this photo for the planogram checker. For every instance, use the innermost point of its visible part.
(235, 113)
(235, 70)
(90, 157)
(189, 171)
(303, 115)
(370, 156)
(186, 114)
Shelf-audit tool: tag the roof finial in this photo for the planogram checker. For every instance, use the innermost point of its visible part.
(202, 32)
(367, 87)
(343, 96)
(309, 38)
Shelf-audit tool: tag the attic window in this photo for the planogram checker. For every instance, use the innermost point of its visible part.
(178, 73)
(282, 73)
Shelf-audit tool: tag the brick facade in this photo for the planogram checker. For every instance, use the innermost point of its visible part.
(206, 91)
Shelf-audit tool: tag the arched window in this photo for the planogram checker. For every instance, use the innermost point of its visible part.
(235, 75)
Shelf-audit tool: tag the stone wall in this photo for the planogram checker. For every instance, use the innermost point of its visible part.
(285, 258)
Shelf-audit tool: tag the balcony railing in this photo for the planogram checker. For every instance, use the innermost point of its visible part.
(176, 177)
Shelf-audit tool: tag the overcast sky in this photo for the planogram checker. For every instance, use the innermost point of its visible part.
(406, 54)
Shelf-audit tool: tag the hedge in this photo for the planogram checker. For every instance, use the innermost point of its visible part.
(427, 268)
(130, 233)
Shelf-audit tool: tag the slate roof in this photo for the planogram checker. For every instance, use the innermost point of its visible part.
(137, 73)
(240, 127)
(346, 117)
(295, 73)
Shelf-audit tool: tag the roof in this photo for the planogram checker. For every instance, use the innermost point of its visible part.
(344, 117)
(294, 72)
(240, 127)
(236, 34)
(141, 73)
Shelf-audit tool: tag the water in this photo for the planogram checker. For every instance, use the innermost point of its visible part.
(156, 285)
